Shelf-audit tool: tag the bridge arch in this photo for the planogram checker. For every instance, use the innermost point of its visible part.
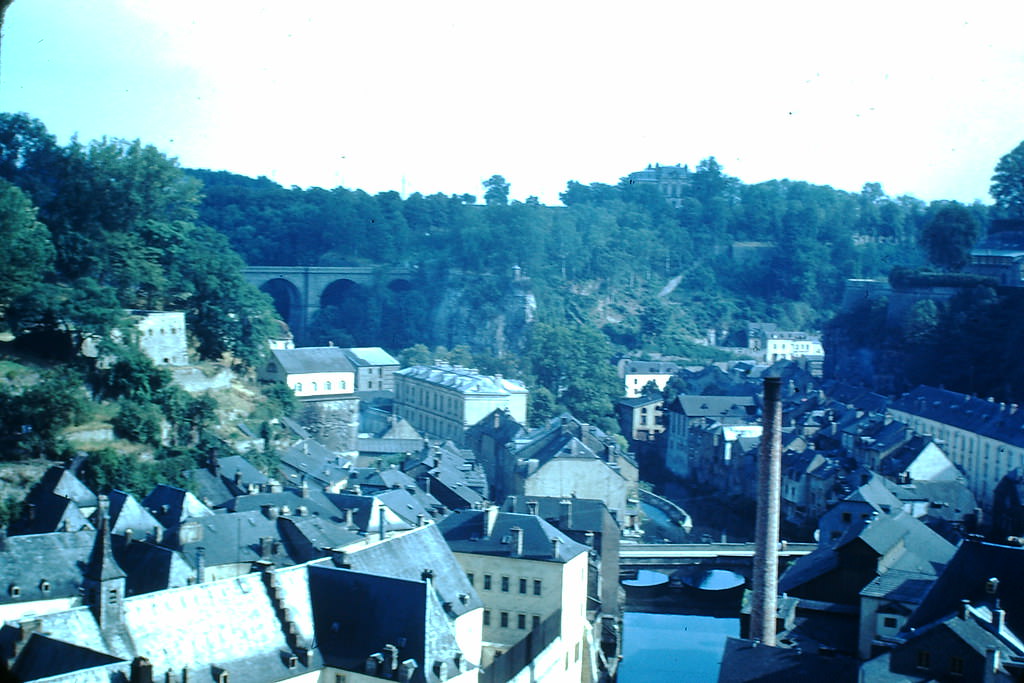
(287, 300)
(312, 288)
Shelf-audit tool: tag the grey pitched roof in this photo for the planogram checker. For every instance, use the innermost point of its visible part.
(127, 513)
(171, 505)
(370, 356)
(465, 532)
(215, 484)
(987, 418)
(585, 514)
(408, 554)
(313, 359)
(64, 483)
(44, 657)
(312, 460)
(44, 566)
(900, 586)
(46, 512)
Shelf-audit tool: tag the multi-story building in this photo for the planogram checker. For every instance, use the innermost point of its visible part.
(531, 578)
(686, 412)
(983, 438)
(443, 400)
(375, 368)
(567, 458)
(637, 374)
(672, 182)
(641, 419)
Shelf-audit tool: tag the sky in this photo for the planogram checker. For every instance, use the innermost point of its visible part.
(922, 97)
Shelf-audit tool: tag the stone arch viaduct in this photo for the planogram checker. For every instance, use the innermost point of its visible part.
(300, 291)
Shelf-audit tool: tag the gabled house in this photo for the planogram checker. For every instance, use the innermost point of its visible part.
(640, 418)
(314, 372)
(568, 458)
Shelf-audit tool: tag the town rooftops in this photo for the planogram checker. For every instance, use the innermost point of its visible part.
(998, 421)
(463, 380)
(490, 532)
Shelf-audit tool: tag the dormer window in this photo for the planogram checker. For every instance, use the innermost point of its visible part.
(14, 590)
(44, 586)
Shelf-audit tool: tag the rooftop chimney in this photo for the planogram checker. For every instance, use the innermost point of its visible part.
(554, 547)
(565, 514)
(383, 523)
(766, 535)
(531, 507)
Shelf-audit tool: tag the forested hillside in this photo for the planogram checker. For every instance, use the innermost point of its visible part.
(619, 256)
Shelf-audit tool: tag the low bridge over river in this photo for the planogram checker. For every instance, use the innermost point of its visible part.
(668, 557)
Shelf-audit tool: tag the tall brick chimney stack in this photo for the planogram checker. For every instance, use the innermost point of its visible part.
(765, 578)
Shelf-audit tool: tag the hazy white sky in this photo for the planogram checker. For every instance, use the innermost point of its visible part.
(923, 97)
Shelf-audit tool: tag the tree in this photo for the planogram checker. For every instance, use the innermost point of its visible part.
(1008, 184)
(496, 191)
(948, 237)
(28, 251)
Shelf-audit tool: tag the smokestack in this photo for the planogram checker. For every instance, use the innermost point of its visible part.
(765, 577)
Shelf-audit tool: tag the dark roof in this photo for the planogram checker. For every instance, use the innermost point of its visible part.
(358, 615)
(465, 532)
(966, 577)
(47, 512)
(170, 505)
(101, 565)
(408, 554)
(215, 485)
(310, 459)
(747, 660)
(586, 514)
(986, 418)
(44, 657)
(128, 513)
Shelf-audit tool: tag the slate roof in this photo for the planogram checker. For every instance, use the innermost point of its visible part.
(55, 558)
(64, 483)
(649, 367)
(715, 406)
(900, 586)
(48, 512)
(465, 533)
(312, 359)
(464, 380)
(746, 661)
(320, 466)
(987, 418)
(358, 614)
(171, 505)
(44, 657)
(370, 356)
(127, 513)
(587, 514)
(966, 578)
(407, 554)
(214, 485)
(566, 437)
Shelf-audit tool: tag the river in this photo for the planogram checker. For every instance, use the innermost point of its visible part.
(673, 647)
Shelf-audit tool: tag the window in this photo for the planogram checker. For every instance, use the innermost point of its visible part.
(924, 659)
(327, 385)
(536, 621)
(504, 619)
(504, 584)
(487, 582)
(297, 388)
(314, 386)
(521, 622)
(847, 518)
(469, 577)
(522, 586)
(44, 586)
(536, 586)
(956, 666)
(889, 622)
(487, 617)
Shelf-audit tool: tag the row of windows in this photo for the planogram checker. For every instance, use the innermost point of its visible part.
(328, 386)
(504, 620)
(506, 584)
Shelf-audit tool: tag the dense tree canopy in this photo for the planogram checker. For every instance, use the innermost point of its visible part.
(1008, 184)
(96, 228)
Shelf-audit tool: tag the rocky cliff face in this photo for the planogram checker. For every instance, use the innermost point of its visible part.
(490, 317)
